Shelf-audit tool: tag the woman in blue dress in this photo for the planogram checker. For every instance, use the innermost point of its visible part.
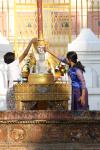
(79, 90)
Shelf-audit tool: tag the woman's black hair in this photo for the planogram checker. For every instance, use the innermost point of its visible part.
(72, 55)
(9, 57)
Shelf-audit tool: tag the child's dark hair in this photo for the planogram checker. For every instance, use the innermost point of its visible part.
(73, 57)
(9, 57)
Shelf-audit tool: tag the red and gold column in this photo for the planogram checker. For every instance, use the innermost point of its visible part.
(40, 23)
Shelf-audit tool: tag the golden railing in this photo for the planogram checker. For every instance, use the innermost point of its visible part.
(78, 13)
(56, 30)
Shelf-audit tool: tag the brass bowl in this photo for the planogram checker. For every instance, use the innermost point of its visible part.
(40, 78)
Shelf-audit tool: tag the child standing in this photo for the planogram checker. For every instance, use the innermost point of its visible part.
(79, 91)
(14, 72)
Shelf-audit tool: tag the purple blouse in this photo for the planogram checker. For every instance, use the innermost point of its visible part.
(77, 77)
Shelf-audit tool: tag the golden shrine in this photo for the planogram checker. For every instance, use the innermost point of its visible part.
(43, 90)
(41, 86)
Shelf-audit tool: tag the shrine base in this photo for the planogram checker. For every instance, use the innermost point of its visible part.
(49, 130)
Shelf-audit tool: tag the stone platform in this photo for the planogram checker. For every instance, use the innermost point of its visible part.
(49, 130)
